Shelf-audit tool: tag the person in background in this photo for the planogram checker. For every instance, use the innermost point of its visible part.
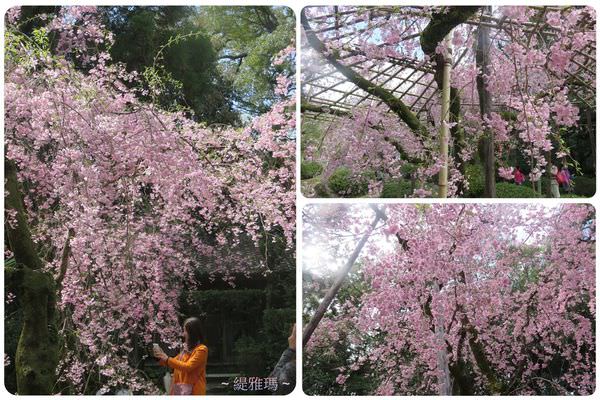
(518, 175)
(285, 370)
(566, 178)
(189, 375)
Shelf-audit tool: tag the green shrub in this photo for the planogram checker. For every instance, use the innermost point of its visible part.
(249, 356)
(396, 189)
(584, 186)
(510, 190)
(474, 175)
(321, 190)
(310, 169)
(277, 324)
(343, 183)
(408, 168)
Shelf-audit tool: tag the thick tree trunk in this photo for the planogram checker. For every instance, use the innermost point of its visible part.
(588, 118)
(445, 385)
(549, 177)
(458, 137)
(37, 350)
(331, 293)
(485, 107)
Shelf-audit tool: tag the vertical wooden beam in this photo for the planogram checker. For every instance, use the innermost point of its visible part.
(445, 121)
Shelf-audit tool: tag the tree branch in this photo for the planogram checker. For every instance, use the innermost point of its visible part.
(233, 56)
(64, 259)
(441, 24)
(339, 280)
(311, 107)
(319, 109)
(394, 103)
(19, 235)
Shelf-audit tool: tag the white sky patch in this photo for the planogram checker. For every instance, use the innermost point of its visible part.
(327, 257)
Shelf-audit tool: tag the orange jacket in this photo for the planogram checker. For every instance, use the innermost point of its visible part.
(190, 368)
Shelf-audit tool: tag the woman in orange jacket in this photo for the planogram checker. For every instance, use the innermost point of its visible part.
(189, 375)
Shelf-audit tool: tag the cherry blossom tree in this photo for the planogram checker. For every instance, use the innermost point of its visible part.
(491, 299)
(113, 204)
(517, 83)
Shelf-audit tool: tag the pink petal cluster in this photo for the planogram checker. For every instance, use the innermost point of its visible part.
(151, 196)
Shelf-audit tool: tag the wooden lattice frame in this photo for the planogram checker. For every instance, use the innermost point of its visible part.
(321, 84)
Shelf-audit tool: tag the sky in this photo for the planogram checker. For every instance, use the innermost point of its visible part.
(325, 257)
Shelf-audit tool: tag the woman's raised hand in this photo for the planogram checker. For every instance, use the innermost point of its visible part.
(159, 353)
(292, 338)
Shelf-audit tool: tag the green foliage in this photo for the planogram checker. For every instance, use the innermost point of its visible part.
(408, 168)
(276, 328)
(188, 73)
(474, 175)
(247, 39)
(258, 354)
(235, 302)
(584, 186)
(37, 44)
(396, 189)
(249, 356)
(510, 190)
(320, 368)
(176, 58)
(312, 134)
(321, 190)
(343, 183)
(310, 169)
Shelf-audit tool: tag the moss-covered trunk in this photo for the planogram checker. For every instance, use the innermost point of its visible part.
(37, 350)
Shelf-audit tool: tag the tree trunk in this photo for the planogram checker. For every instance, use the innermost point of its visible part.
(37, 350)
(588, 117)
(445, 385)
(549, 177)
(485, 107)
(314, 321)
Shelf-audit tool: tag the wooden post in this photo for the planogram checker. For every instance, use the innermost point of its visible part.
(445, 120)
(314, 321)
(485, 106)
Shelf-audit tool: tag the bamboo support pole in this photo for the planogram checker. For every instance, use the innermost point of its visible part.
(445, 120)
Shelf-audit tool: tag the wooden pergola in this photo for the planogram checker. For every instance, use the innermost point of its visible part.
(412, 79)
(342, 77)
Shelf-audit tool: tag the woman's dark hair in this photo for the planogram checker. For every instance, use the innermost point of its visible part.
(193, 327)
